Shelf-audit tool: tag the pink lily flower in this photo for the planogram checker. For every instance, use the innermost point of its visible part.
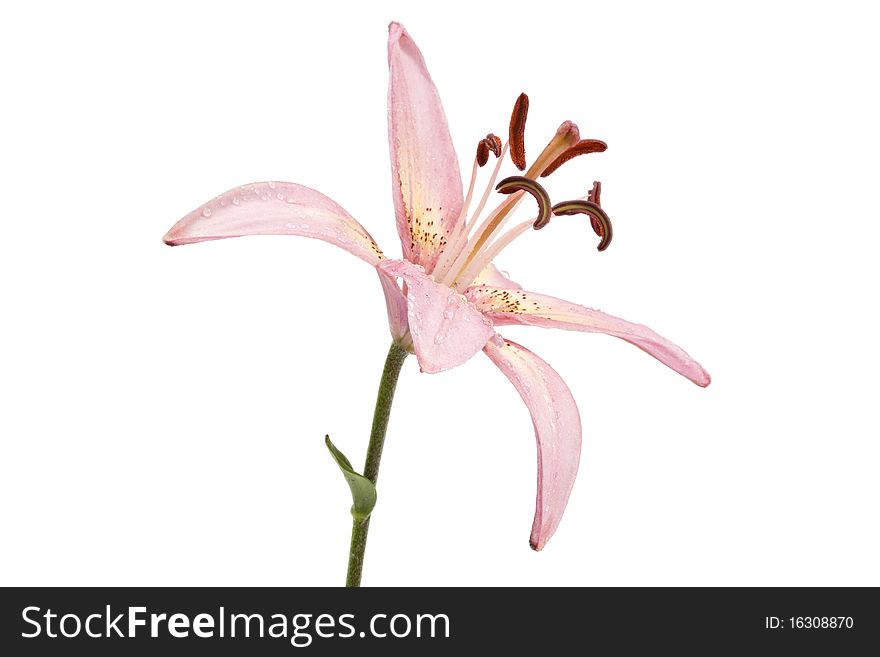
(445, 297)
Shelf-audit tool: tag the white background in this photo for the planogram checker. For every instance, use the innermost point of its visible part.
(163, 410)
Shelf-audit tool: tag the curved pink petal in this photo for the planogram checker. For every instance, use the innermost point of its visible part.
(446, 329)
(510, 306)
(395, 304)
(275, 208)
(557, 430)
(426, 181)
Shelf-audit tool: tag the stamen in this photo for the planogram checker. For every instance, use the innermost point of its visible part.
(600, 221)
(482, 153)
(490, 143)
(593, 196)
(453, 252)
(473, 268)
(518, 131)
(485, 197)
(462, 218)
(494, 144)
(582, 147)
(490, 226)
(521, 183)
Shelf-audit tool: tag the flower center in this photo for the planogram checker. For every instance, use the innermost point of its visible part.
(475, 244)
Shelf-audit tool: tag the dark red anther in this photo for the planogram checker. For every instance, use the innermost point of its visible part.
(582, 147)
(518, 131)
(600, 221)
(482, 153)
(490, 143)
(494, 144)
(521, 183)
(593, 197)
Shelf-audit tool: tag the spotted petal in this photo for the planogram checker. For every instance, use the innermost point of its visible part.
(426, 181)
(557, 430)
(446, 329)
(275, 208)
(510, 306)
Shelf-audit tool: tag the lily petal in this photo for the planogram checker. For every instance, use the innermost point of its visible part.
(395, 304)
(426, 180)
(446, 329)
(275, 208)
(557, 430)
(510, 306)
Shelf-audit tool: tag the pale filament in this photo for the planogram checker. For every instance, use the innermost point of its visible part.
(462, 217)
(489, 254)
(492, 222)
(453, 249)
(461, 228)
(490, 187)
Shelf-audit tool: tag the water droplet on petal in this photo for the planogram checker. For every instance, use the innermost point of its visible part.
(271, 184)
(236, 200)
(304, 226)
(206, 211)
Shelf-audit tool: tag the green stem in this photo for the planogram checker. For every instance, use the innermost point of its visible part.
(359, 529)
